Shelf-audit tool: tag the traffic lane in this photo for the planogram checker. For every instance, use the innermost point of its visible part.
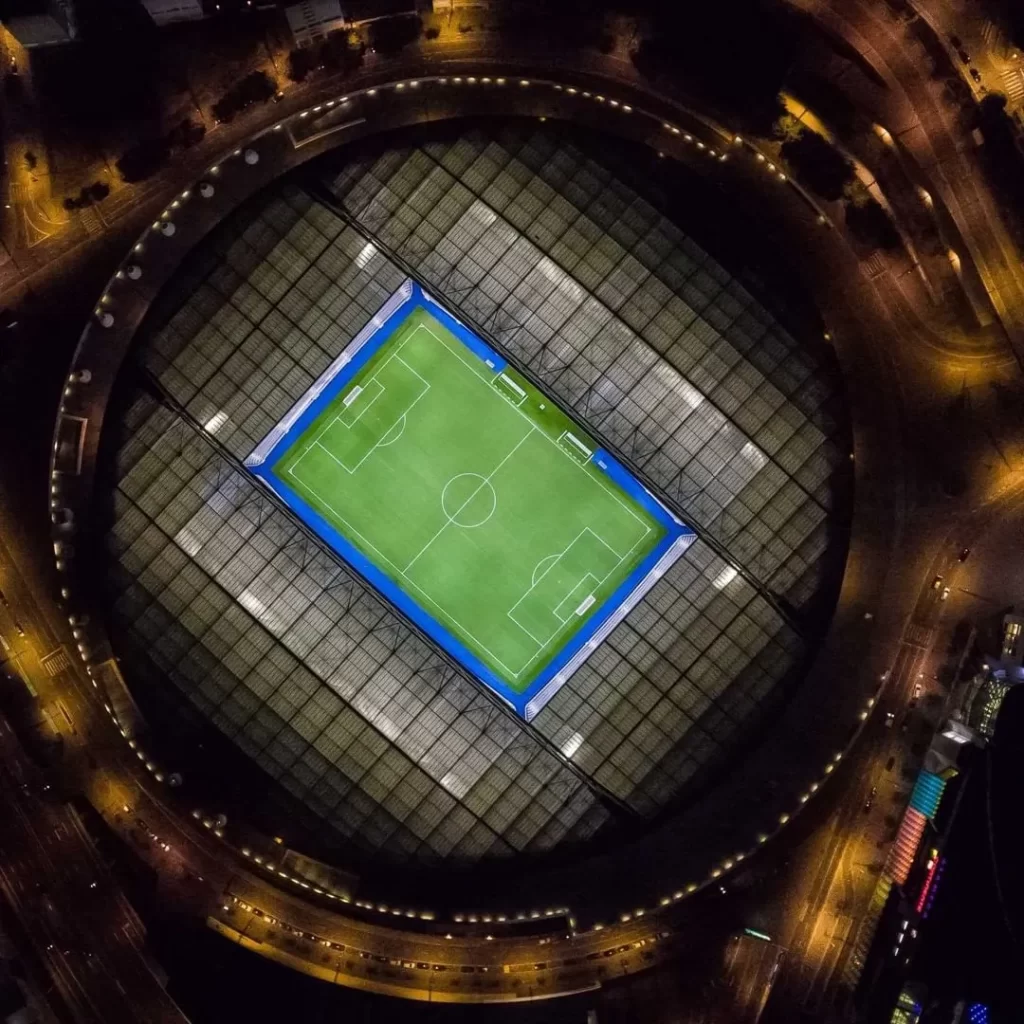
(58, 941)
(58, 869)
(988, 581)
(751, 966)
(76, 924)
(839, 862)
(881, 751)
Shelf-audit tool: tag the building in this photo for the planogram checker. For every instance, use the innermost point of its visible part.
(166, 12)
(908, 1006)
(311, 20)
(466, 779)
(40, 22)
(1013, 644)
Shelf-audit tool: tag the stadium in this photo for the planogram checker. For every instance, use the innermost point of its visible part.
(451, 509)
(306, 551)
(507, 505)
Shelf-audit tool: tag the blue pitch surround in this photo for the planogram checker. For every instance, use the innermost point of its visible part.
(332, 381)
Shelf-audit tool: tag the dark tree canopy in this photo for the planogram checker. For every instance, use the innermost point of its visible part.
(144, 159)
(340, 51)
(695, 45)
(301, 62)
(870, 224)
(256, 87)
(389, 35)
(818, 165)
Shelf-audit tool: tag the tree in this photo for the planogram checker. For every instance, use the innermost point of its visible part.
(143, 159)
(342, 51)
(301, 62)
(870, 224)
(681, 52)
(256, 87)
(819, 166)
(390, 35)
(826, 99)
(94, 193)
(185, 134)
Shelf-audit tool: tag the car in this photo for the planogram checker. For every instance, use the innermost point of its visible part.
(944, 596)
(976, 74)
(889, 719)
(956, 41)
(918, 688)
(19, 628)
(936, 583)
(963, 555)
(871, 799)
(889, 764)
(964, 55)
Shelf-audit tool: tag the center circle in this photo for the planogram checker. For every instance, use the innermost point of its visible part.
(468, 500)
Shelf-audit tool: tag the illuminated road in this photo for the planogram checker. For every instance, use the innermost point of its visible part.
(833, 874)
(751, 967)
(76, 916)
(911, 109)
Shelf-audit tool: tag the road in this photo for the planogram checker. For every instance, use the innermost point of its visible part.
(833, 876)
(76, 915)
(916, 116)
(751, 967)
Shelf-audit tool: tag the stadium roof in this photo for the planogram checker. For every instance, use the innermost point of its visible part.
(667, 358)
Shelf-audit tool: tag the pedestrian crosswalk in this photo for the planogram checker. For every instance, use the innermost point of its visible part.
(1013, 85)
(918, 636)
(56, 662)
(865, 933)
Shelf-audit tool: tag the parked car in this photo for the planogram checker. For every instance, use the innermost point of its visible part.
(964, 554)
(889, 719)
(871, 799)
(936, 583)
(964, 55)
(944, 596)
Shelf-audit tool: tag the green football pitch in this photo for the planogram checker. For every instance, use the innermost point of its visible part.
(474, 494)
